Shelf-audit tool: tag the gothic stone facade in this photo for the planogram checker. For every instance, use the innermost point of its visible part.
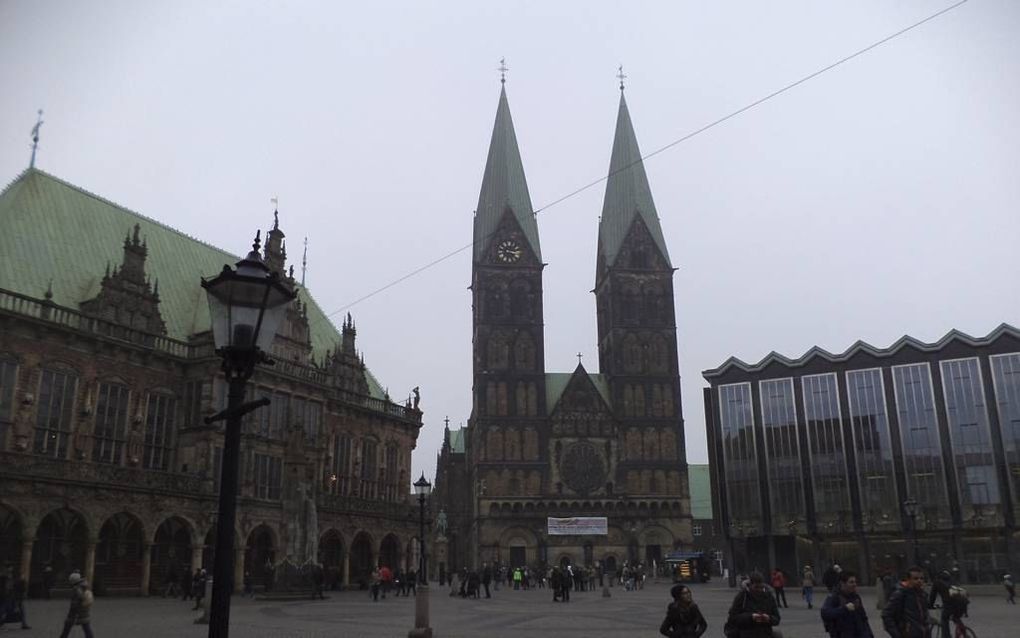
(106, 463)
(542, 444)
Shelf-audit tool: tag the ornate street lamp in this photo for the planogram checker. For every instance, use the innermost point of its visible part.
(421, 602)
(246, 307)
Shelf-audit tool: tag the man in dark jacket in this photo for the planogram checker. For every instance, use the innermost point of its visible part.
(754, 612)
(843, 612)
(831, 577)
(80, 612)
(906, 613)
(486, 579)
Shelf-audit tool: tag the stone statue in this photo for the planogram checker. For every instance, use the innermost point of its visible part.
(311, 553)
(441, 523)
(23, 423)
(135, 441)
(417, 397)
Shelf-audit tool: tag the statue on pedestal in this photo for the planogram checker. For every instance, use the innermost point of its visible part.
(23, 423)
(441, 522)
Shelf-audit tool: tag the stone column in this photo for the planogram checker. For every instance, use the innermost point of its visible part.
(26, 558)
(238, 570)
(146, 567)
(90, 559)
(196, 558)
(347, 569)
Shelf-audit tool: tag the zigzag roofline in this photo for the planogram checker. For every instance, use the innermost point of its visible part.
(862, 346)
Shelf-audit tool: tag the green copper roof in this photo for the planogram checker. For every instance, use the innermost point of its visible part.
(627, 193)
(504, 185)
(556, 383)
(55, 231)
(701, 491)
(457, 441)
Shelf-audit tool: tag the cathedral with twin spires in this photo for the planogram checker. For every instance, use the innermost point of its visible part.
(567, 444)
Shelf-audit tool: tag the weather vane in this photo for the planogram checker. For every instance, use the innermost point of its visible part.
(35, 138)
(502, 70)
(621, 76)
(304, 262)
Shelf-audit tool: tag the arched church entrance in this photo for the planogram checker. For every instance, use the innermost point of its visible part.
(119, 555)
(60, 541)
(260, 557)
(331, 555)
(11, 533)
(171, 554)
(389, 552)
(361, 559)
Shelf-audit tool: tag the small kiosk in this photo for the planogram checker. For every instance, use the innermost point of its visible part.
(688, 567)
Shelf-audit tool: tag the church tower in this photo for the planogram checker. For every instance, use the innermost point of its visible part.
(637, 340)
(508, 343)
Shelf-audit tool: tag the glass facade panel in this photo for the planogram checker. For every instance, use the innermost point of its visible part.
(869, 423)
(782, 453)
(736, 419)
(922, 448)
(971, 435)
(1006, 377)
(827, 457)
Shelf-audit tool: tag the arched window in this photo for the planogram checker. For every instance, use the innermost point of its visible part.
(491, 403)
(501, 399)
(524, 352)
(498, 352)
(521, 399)
(532, 399)
(656, 400)
(628, 400)
(631, 354)
(639, 400)
(520, 300)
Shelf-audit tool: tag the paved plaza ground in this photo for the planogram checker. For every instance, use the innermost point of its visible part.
(509, 614)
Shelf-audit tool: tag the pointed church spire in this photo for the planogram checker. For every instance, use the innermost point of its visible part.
(504, 185)
(628, 195)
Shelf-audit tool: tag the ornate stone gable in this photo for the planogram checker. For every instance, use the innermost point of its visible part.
(126, 296)
(346, 364)
(582, 445)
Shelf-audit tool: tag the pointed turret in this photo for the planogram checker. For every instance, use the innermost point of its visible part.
(628, 196)
(504, 186)
(275, 254)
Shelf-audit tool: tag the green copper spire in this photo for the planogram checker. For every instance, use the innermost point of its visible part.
(628, 195)
(504, 185)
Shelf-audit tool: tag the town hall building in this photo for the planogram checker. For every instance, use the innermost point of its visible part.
(543, 444)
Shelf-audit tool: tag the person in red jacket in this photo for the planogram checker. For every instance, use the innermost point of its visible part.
(779, 586)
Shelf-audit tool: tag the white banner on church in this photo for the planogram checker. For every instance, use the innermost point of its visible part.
(579, 526)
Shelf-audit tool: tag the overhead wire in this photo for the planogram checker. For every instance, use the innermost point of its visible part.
(661, 149)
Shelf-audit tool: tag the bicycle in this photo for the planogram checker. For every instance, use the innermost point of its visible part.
(960, 630)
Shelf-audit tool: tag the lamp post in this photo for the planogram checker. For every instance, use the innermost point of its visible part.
(910, 509)
(246, 307)
(421, 602)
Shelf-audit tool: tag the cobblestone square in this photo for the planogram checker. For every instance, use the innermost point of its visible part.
(509, 614)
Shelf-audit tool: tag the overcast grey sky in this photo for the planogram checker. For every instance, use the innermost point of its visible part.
(876, 200)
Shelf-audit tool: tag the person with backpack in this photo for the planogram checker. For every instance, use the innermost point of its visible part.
(954, 600)
(906, 613)
(843, 614)
(80, 612)
(753, 613)
(683, 618)
(807, 583)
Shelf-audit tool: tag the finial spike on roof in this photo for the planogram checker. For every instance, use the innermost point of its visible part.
(621, 76)
(502, 70)
(258, 241)
(304, 263)
(49, 290)
(35, 138)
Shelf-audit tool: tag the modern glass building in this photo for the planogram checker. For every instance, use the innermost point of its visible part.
(874, 458)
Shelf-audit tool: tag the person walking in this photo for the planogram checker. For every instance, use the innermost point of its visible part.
(486, 578)
(376, 583)
(198, 587)
(778, 582)
(1007, 582)
(753, 613)
(807, 585)
(831, 577)
(80, 612)
(683, 618)
(170, 582)
(906, 613)
(48, 579)
(517, 578)
(15, 601)
(843, 612)
(556, 582)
